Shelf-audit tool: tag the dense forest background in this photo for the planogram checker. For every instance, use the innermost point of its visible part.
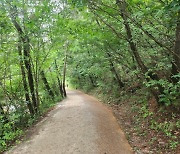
(118, 49)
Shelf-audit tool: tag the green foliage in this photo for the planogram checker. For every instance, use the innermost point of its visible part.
(36, 20)
(165, 127)
(171, 91)
(8, 132)
(145, 112)
(173, 6)
(94, 36)
(173, 144)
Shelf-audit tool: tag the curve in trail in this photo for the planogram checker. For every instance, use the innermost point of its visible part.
(78, 125)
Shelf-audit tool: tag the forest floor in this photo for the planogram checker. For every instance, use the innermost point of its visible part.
(149, 130)
(141, 136)
(78, 125)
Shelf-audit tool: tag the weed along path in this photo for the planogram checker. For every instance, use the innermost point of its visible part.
(78, 125)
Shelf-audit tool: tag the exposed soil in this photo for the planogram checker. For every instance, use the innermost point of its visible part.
(78, 125)
(141, 136)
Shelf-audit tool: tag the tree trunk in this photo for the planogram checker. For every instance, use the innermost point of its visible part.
(29, 71)
(25, 85)
(60, 86)
(122, 6)
(27, 62)
(64, 75)
(46, 84)
(58, 79)
(113, 70)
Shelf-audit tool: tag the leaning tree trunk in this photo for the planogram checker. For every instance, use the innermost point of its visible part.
(46, 84)
(123, 6)
(113, 70)
(27, 59)
(28, 66)
(25, 85)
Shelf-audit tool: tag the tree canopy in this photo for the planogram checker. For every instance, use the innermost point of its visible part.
(113, 46)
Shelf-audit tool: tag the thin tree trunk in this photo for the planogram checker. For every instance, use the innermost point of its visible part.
(122, 6)
(64, 75)
(27, 62)
(37, 92)
(58, 79)
(46, 84)
(113, 70)
(28, 100)
(60, 86)
(29, 71)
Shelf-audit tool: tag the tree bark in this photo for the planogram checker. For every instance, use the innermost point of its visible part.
(25, 85)
(64, 75)
(58, 79)
(27, 62)
(29, 71)
(60, 86)
(46, 84)
(122, 6)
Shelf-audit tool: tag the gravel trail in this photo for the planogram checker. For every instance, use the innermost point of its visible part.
(78, 125)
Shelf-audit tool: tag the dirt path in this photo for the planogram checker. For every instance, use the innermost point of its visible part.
(78, 125)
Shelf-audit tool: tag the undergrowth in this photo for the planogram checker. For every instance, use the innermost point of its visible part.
(13, 126)
(160, 125)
